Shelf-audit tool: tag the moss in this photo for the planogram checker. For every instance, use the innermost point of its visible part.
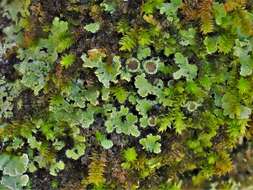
(147, 94)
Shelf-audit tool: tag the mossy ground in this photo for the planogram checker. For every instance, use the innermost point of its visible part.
(198, 51)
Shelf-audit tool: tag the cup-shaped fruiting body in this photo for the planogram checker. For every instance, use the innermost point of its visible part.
(159, 83)
(151, 66)
(152, 121)
(133, 65)
(192, 106)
